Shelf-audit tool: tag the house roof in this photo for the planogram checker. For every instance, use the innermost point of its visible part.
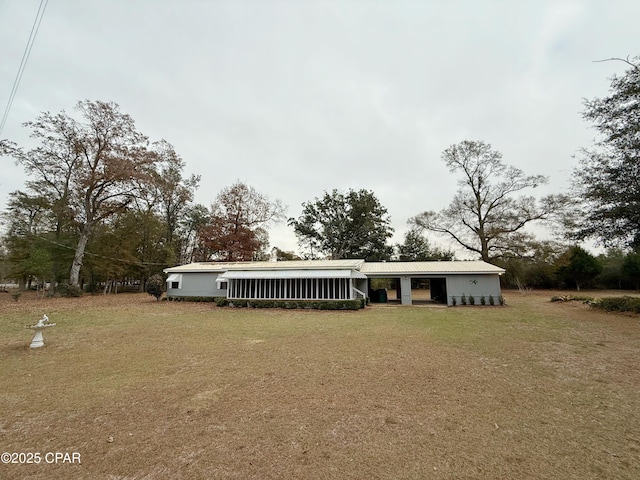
(428, 268)
(379, 269)
(205, 267)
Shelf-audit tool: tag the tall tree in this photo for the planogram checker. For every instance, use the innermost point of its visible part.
(536, 269)
(608, 177)
(578, 266)
(485, 216)
(33, 233)
(631, 268)
(235, 229)
(89, 168)
(416, 248)
(167, 195)
(173, 191)
(192, 222)
(339, 225)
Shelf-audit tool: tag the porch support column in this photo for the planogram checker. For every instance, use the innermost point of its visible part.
(405, 290)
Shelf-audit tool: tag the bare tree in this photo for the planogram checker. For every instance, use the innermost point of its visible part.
(485, 216)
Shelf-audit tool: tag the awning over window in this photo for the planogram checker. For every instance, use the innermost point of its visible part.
(174, 277)
(274, 274)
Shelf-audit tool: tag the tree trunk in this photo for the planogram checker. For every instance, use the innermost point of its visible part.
(74, 275)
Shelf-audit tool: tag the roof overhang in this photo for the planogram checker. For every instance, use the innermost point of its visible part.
(416, 269)
(289, 273)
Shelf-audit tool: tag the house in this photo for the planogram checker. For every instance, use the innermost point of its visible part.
(331, 280)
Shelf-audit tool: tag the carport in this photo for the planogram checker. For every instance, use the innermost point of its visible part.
(449, 281)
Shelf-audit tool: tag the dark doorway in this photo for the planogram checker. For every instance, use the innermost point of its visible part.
(439, 289)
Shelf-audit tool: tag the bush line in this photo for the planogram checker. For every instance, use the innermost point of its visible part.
(288, 304)
(618, 304)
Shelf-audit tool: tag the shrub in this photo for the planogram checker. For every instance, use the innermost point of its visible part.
(618, 304)
(483, 301)
(453, 301)
(472, 300)
(463, 299)
(491, 300)
(267, 303)
(306, 304)
(221, 301)
(155, 286)
(68, 291)
(194, 299)
(501, 300)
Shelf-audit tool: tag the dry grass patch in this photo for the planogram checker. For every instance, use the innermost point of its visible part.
(175, 390)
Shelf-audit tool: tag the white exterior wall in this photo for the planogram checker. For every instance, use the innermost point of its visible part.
(197, 284)
(473, 285)
(360, 284)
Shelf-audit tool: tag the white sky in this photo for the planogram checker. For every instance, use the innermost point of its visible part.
(299, 97)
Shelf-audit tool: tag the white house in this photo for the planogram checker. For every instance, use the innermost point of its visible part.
(331, 279)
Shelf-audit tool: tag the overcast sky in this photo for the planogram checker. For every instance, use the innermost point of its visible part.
(299, 97)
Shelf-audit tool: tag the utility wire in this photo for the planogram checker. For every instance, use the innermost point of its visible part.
(121, 260)
(23, 63)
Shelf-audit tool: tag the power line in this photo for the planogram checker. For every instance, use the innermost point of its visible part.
(121, 260)
(23, 63)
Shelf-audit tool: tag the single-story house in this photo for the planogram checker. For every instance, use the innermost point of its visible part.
(331, 279)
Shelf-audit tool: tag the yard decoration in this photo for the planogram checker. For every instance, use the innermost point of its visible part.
(38, 340)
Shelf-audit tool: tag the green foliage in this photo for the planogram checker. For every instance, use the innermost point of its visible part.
(221, 301)
(579, 267)
(339, 225)
(631, 268)
(304, 304)
(69, 291)
(281, 255)
(607, 178)
(471, 300)
(416, 248)
(198, 299)
(288, 304)
(155, 286)
(618, 304)
(535, 269)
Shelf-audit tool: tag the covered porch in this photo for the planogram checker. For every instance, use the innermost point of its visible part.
(294, 284)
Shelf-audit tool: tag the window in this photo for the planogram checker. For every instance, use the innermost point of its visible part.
(224, 285)
(175, 284)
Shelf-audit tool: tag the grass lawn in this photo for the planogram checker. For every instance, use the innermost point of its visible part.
(147, 390)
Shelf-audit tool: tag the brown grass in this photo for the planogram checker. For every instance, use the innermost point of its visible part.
(147, 390)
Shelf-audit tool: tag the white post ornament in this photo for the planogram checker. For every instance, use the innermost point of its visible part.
(38, 340)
